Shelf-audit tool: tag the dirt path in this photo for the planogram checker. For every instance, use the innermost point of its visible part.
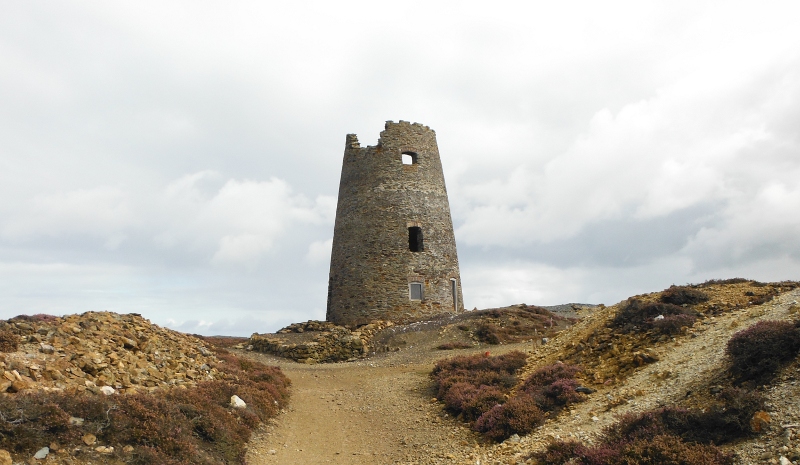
(377, 411)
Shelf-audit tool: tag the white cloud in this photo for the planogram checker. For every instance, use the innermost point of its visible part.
(319, 251)
(190, 153)
(762, 227)
(679, 149)
(100, 211)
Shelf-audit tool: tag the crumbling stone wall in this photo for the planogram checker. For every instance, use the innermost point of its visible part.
(380, 198)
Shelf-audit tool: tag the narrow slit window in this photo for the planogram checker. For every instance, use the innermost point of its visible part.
(415, 291)
(415, 239)
(409, 158)
(454, 291)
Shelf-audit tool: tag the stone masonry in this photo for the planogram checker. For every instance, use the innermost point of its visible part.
(394, 252)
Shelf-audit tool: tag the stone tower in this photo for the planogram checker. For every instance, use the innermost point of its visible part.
(394, 253)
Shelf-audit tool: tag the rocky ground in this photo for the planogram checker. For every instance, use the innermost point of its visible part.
(380, 409)
(94, 350)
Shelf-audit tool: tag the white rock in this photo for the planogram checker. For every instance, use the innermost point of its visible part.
(46, 348)
(785, 461)
(237, 402)
(659, 317)
(75, 421)
(107, 390)
(42, 453)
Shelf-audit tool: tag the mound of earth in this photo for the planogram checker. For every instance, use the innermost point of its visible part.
(94, 350)
(106, 388)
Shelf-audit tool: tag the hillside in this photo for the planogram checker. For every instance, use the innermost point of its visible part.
(383, 409)
(379, 405)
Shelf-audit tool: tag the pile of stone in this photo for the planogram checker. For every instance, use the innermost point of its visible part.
(318, 341)
(102, 352)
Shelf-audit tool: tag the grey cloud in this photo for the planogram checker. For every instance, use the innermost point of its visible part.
(587, 156)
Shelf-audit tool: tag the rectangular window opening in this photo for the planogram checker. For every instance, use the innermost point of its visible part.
(415, 291)
(415, 239)
(454, 290)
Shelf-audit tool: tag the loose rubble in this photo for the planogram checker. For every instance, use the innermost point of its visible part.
(101, 352)
(318, 341)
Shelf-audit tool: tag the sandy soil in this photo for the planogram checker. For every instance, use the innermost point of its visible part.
(375, 411)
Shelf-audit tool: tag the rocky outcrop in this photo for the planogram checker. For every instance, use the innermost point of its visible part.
(102, 352)
(318, 341)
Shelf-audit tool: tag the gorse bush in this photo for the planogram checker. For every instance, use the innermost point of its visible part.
(638, 316)
(758, 352)
(177, 426)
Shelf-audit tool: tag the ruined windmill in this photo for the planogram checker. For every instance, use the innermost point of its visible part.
(394, 252)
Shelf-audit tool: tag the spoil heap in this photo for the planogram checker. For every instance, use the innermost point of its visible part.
(97, 349)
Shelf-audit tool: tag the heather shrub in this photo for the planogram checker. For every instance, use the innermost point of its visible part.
(173, 427)
(507, 363)
(672, 324)
(470, 401)
(636, 315)
(721, 423)
(453, 346)
(575, 453)
(222, 342)
(488, 333)
(9, 342)
(477, 370)
(680, 295)
(712, 282)
(553, 386)
(670, 450)
(649, 445)
(513, 324)
(519, 415)
(30, 419)
(43, 317)
(759, 351)
(469, 386)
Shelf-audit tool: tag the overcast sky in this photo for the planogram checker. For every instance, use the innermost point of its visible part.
(181, 159)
